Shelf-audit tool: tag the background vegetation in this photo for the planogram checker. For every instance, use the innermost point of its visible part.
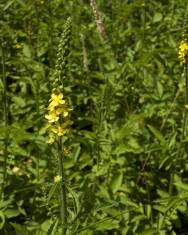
(126, 161)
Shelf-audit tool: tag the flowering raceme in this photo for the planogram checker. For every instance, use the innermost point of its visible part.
(58, 116)
(58, 109)
(183, 51)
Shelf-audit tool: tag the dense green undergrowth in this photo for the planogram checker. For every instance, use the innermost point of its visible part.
(126, 161)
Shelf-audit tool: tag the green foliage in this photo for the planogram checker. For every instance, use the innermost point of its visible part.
(126, 156)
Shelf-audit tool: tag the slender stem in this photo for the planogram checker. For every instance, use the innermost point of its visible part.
(5, 112)
(37, 86)
(186, 100)
(170, 189)
(62, 187)
(38, 116)
(144, 21)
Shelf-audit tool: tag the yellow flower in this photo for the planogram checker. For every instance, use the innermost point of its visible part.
(59, 130)
(60, 111)
(55, 101)
(52, 116)
(57, 179)
(18, 46)
(51, 139)
(65, 113)
(183, 51)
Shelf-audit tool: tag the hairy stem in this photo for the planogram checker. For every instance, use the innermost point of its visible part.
(37, 116)
(62, 187)
(5, 114)
(186, 101)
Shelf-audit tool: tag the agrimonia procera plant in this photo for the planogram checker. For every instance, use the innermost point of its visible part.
(5, 114)
(59, 115)
(183, 57)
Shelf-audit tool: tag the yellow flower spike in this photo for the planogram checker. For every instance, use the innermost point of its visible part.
(183, 51)
(58, 116)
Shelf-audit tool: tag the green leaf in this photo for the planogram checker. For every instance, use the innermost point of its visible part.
(19, 101)
(116, 182)
(181, 185)
(8, 4)
(157, 134)
(166, 162)
(157, 17)
(26, 50)
(159, 89)
(10, 213)
(139, 218)
(53, 228)
(107, 225)
(46, 225)
(2, 219)
(130, 127)
(149, 231)
(20, 229)
(52, 191)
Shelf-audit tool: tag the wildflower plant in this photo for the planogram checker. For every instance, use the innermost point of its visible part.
(183, 57)
(58, 115)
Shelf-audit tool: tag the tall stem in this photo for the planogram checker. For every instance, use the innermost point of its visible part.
(37, 86)
(186, 100)
(38, 116)
(5, 113)
(62, 187)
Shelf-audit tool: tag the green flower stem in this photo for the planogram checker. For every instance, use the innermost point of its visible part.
(62, 187)
(170, 188)
(38, 117)
(5, 112)
(186, 100)
(184, 132)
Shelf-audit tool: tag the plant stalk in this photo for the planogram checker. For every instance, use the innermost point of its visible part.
(186, 100)
(5, 114)
(38, 117)
(62, 187)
